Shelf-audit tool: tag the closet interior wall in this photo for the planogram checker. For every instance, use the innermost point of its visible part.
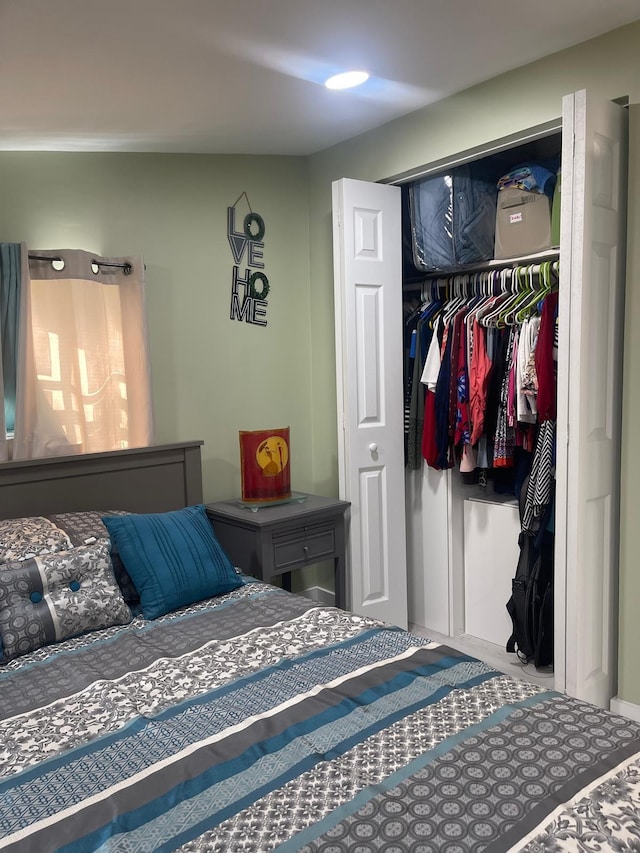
(462, 540)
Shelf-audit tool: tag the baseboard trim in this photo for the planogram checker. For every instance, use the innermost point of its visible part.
(320, 594)
(627, 709)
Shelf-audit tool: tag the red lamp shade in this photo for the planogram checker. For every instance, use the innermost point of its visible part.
(264, 465)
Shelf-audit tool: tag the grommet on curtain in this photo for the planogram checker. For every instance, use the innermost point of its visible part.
(56, 262)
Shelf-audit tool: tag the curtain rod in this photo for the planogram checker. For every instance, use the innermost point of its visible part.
(125, 267)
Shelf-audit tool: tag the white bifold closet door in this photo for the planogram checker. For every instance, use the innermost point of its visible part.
(368, 298)
(368, 302)
(592, 265)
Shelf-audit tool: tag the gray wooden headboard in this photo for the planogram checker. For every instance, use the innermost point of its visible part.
(142, 479)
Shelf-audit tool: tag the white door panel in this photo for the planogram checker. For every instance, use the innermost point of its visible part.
(368, 296)
(589, 391)
(428, 578)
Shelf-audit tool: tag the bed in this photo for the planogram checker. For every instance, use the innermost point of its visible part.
(257, 720)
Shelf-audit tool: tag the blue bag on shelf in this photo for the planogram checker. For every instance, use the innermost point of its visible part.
(453, 218)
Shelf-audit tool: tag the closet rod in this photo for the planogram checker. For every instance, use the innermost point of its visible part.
(125, 267)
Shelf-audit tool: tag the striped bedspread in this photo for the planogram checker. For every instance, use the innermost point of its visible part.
(260, 721)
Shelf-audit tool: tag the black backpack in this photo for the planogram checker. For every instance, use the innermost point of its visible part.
(531, 604)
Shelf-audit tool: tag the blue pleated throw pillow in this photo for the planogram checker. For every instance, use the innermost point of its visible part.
(173, 558)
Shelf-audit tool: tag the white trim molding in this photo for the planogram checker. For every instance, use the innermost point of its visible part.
(319, 594)
(627, 709)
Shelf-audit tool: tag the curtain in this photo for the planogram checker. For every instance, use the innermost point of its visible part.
(13, 266)
(83, 375)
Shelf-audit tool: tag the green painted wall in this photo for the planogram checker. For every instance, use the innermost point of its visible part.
(609, 67)
(212, 376)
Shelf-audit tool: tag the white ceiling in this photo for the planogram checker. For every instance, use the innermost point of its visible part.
(244, 76)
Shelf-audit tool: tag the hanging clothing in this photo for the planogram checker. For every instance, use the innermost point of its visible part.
(412, 425)
(453, 378)
(541, 480)
(430, 380)
(504, 442)
(423, 337)
(434, 360)
(544, 359)
(443, 397)
(527, 381)
(462, 427)
(496, 378)
(479, 381)
(473, 379)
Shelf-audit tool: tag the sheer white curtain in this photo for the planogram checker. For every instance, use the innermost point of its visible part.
(83, 376)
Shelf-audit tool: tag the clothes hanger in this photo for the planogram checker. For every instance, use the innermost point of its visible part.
(524, 297)
(438, 303)
(523, 276)
(493, 294)
(491, 279)
(433, 305)
(477, 290)
(456, 302)
(506, 279)
(544, 287)
(480, 286)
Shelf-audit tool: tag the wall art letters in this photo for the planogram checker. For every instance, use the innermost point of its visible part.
(249, 285)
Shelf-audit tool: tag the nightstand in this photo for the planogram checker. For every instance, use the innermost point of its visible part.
(276, 540)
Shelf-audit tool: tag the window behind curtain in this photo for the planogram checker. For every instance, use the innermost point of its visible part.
(83, 372)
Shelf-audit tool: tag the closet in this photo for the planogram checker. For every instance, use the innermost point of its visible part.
(415, 536)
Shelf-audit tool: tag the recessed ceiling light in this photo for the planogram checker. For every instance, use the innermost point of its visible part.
(346, 80)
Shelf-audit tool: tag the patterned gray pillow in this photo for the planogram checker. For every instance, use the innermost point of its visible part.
(56, 596)
(83, 528)
(22, 538)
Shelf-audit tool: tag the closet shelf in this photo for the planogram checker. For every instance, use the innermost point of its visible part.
(477, 493)
(523, 260)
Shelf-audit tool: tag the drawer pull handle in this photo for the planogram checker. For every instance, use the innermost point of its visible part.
(373, 447)
(305, 550)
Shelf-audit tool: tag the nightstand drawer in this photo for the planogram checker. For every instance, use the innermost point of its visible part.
(316, 542)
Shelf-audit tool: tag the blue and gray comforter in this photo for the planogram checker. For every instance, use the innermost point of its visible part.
(260, 721)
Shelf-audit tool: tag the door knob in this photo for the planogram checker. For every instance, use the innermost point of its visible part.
(373, 447)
